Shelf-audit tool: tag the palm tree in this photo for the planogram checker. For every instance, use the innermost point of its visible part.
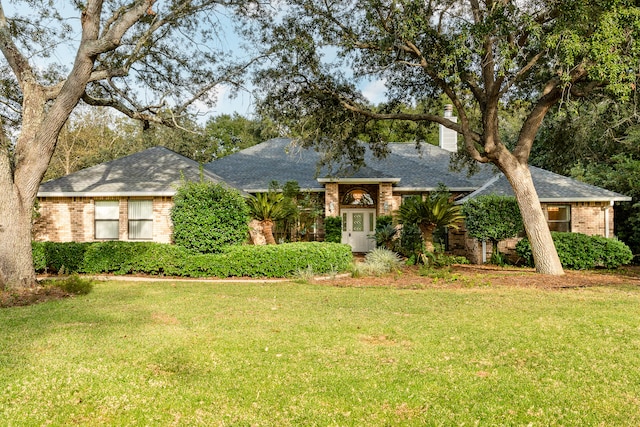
(267, 208)
(429, 214)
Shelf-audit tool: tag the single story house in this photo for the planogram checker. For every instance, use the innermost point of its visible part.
(130, 198)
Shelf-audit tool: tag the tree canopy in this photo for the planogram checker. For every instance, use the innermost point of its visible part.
(480, 55)
(149, 60)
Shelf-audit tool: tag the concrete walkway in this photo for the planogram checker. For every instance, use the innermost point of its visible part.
(129, 278)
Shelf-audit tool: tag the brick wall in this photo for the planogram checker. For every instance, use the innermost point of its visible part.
(71, 219)
(591, 217)
(387, 202)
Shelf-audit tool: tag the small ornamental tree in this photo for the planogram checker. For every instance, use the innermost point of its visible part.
(207, 217)
(435, 211)
(493, 218)
(268, 208)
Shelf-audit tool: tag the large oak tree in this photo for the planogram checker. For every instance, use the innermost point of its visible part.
(479, 54)
(148, 60)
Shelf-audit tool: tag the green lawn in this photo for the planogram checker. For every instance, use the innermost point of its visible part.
(293, 354)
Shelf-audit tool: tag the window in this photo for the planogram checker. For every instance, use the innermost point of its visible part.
(141, 219)
(107, 215)
(559, 217)
(358, 197)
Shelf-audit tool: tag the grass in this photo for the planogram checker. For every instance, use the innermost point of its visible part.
(195, 354)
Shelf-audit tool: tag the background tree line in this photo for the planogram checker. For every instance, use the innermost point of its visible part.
(95, 135)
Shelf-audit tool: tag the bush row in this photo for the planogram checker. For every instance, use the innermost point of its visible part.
(170, 260)
(579, 251)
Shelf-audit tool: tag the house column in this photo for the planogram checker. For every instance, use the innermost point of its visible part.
(331, 199)
(385, 198)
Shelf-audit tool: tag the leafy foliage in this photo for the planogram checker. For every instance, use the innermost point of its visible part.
(333, 229)
(493, 218)
(267, 206)
(377, 262)
(386, 233)
(580, 252)
(171, 260)
(58, 257)
(435, 211)
(207, 217)
(620, 173)
(478, 55)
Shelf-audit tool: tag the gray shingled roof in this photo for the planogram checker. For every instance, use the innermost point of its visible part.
(254, 168)
(156, 171)
(551, 187)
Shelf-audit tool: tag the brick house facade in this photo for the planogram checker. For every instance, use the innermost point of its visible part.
(69, 205)
(72, 219)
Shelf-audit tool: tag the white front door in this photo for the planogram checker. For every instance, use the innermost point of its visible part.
(358, 229)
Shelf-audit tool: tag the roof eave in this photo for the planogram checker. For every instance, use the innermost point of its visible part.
(429, 189)
(584, 199)
(266, 190)
(106, 193)
(358, 180)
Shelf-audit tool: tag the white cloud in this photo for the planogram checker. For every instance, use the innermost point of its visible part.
(375, 91)
(226, 103)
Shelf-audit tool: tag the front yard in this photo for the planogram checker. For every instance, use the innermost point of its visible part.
(396, 351)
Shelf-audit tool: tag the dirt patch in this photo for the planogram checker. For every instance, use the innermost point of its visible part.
(485, 275)
(29, 296)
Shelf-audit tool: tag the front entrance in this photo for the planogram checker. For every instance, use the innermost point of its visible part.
(358, 229)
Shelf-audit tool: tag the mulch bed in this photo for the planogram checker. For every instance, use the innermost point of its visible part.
(485, 275)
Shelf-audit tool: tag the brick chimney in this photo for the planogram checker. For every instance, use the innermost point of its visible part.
(448, 137)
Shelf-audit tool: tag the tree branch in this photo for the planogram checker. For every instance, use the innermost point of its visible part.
(17, 61)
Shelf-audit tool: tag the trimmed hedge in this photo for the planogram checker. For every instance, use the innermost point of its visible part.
(171, 260)
(206, 217)
(580, 252)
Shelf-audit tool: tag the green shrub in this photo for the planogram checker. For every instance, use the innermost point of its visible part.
(579, 252)
(493, 218)
(333, 229)
(134, 257)
(612, 253)
(65, 257)
(171, 260)
(384, 257)
(74, 284)
(377, 262)
(39, 257)
(282, 260)
(411, 244)
(207, 217)
(383, 220)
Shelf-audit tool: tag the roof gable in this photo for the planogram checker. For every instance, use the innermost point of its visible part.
(551, 187)
(156, 171)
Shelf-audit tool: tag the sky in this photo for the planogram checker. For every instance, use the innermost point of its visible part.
(242, 103)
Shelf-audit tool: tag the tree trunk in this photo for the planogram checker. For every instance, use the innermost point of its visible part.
(267, 230)
(16, 260)
(426, 230)
(544, 251)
